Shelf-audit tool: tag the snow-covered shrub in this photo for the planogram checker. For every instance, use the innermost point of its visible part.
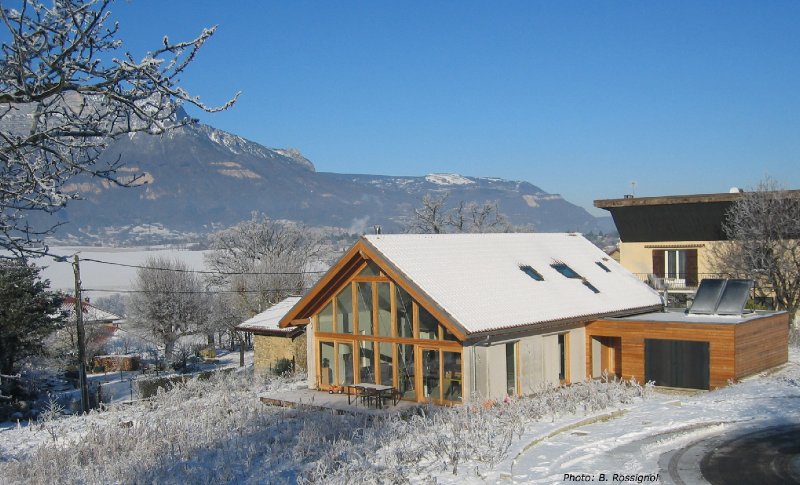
(52, 412)
(217, 431)
(283, 366)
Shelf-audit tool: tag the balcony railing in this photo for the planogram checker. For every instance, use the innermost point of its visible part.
(679, 283)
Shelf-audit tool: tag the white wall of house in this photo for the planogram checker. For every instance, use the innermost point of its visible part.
(577, 353)
(311, 355)
(466, 379)
(538, 363)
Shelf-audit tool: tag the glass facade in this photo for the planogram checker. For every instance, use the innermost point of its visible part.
(344, 310)
(451, 379)
(372, 331)
(428, 326)
(325, 318)
(406, 371)
(511, 369)
(364, 302)
(384, 309)
(404, 313)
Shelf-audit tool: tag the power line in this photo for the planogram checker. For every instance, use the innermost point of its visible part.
(180, 270)
(204, 292)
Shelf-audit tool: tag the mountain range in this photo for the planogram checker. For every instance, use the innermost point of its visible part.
(199, 179)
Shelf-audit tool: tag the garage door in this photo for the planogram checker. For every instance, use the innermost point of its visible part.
(676, 363)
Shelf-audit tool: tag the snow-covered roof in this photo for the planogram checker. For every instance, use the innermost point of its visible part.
(481, 281)
(90, 313)
(267, 321)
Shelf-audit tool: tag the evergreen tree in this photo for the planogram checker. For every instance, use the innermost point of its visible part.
(28, 312)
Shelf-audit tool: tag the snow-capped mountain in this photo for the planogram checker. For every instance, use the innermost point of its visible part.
(197, 179)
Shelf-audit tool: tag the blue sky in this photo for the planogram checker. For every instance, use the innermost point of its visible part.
(578, 98)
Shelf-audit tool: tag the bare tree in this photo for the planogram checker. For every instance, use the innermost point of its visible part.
(260, 262)
(763, 228)
(433, 217)
(170, 301)
(478, 218)
(65, 95)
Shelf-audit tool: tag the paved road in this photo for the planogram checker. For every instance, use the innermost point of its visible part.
(762, 456)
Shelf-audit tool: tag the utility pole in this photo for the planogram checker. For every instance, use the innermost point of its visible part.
(81, 342)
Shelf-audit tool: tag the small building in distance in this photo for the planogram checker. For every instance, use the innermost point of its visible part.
(271, 343)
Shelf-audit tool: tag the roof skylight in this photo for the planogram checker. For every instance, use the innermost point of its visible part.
(590, 286)
(531, 272)
(565, 270)
(570, 273)
(605, 268)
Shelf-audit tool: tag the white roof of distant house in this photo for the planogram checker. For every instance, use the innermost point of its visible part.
(89, 312)
(478, 278)
(266, 322)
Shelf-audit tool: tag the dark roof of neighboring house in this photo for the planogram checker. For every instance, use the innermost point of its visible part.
(696, 217)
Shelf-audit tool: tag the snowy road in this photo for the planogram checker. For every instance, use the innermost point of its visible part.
(640, 443)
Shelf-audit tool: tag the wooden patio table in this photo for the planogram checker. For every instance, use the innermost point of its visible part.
(380, 391)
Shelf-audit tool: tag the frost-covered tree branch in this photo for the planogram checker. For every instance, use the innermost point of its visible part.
(433, 217)
(763, 227)
(67, 89)
(170, 302)
(261, 261)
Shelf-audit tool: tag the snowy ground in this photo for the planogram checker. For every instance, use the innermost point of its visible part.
(218, 432)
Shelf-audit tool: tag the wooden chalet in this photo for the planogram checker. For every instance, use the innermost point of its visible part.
(445, 318)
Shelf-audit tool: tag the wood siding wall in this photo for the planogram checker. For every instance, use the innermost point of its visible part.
(735, 351)
(633, 334)
(761, 344)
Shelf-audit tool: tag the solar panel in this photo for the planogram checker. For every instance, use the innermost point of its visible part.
(707, 296)
(734, 297)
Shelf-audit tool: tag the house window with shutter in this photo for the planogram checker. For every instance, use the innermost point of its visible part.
(676, 266)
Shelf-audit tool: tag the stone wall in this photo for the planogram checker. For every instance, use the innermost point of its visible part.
(268, 350)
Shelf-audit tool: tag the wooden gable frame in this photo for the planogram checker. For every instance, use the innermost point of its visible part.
(350, 264)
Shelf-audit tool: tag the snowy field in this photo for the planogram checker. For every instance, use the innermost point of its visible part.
(107, 277)
(218, 432)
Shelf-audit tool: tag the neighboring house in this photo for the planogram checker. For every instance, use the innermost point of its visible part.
(613, 253)
(99, 325)
(666, 241)
(272, 343)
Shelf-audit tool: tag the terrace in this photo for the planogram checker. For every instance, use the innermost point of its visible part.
(338, 403)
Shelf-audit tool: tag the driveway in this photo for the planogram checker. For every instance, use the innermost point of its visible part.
(763, 455)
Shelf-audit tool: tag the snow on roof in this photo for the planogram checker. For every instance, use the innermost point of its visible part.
(479, 278)
(682, 316)
(90, 312)
(268, 319)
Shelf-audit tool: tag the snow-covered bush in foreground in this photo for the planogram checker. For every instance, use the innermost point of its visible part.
(217, 431)
(480, 434)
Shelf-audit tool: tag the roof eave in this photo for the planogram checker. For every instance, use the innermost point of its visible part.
(554, 324)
